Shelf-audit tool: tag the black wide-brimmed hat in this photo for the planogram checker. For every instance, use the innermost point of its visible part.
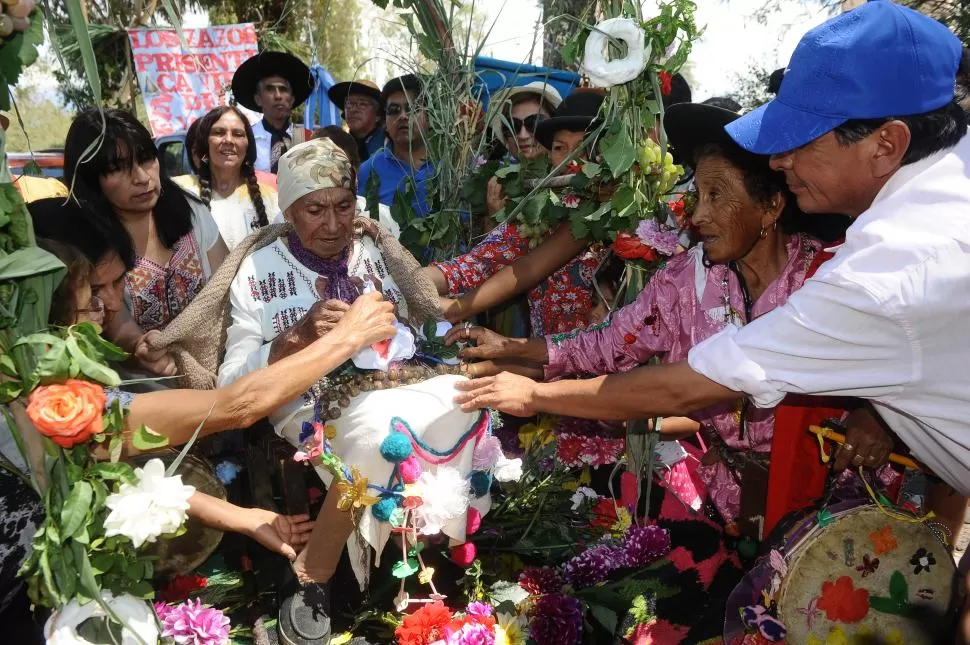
(691, 125)
(339, 92)
(266, 64)
(405, 83)
(576, 113)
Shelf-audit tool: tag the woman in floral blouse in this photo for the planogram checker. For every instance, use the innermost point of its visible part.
(166, 238)
(565, 299)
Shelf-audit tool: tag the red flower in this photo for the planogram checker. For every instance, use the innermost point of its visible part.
(842, 602)
(424, 626)
(568, 449)
(604, 514)
(181, 587)
(630, 247)
(573, 167)
(665, 83)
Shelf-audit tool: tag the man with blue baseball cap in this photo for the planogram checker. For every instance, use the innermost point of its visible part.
(865, 124)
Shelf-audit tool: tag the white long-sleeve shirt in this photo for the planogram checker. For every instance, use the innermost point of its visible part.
(886, 319)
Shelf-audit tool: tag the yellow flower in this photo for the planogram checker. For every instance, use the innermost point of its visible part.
(425, 575)
(623, 521)
(329, 431)
(585, 477)
(354, 496)
(510, 630)
(542, 433)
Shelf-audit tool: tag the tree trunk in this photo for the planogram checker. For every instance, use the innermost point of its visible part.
(557, 33)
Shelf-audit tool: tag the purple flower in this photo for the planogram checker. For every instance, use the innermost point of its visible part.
(663, 240)
(593, 565)
(472, 634)
(557, 620)
(540, 581)
(192, 624)
(487, 453)
(482, 609)
(644, 545)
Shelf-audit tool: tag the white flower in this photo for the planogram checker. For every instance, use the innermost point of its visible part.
(138, 617)
(155, 506)
(507, 470)
(582, 494)
(445, 494)
(571, 201)
(604, 73)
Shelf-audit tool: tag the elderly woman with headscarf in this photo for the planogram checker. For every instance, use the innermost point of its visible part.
(384, 408)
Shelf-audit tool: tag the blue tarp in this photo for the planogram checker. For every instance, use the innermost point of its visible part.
(495, 74)
(320, 110)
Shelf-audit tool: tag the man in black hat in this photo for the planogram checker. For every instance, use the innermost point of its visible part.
(272, 83)
(405, 156)
(362, 107)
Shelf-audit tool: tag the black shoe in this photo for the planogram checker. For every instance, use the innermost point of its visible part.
(305, 615)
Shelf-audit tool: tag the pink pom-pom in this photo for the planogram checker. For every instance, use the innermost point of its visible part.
(474, 521)
(464, 554)
(410, 469)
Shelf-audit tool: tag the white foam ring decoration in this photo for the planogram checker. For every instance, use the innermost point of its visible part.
(607, 73)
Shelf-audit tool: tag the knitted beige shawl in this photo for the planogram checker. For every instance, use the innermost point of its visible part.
(197, 337)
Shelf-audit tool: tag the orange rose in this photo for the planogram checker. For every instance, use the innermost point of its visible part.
(68, 413)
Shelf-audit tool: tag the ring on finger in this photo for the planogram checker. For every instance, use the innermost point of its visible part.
(848, 447)
(858, 460)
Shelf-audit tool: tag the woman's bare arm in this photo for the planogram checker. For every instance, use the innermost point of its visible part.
(521, 275)
(216, 254)
(177, 413)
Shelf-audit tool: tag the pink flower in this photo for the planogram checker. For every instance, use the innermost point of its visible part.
(410, 469)
(570, 201)
(192, 624)
(464, 554)
(487, 453)
(662, 239)
(472, 634)
(479, 609)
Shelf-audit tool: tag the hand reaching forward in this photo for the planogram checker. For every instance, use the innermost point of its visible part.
(867, 443)
(487, 343)
(158, 362)
(509, 393)
(283, 534)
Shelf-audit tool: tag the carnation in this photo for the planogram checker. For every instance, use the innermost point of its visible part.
(192, 624)
(644, 545)
(508, 470)
(540, 581)
(487, 453)
(472, 634)
(155, 506)
(662, 239)
(446, 495)
(593, 565)
(424, 626)
(557, 620)
(479, 609)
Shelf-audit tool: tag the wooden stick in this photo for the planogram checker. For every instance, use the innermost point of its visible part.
(831, 435)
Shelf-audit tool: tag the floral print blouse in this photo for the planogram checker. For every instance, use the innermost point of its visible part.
(561, 302)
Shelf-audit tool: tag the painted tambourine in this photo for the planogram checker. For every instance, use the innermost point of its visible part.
(848, 574)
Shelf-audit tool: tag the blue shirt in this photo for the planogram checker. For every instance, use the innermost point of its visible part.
(392, 173)
(370, 145)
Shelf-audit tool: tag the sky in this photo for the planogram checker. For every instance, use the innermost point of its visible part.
(732, 40)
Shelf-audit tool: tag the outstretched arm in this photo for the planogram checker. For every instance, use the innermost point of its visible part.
(520, 276)
(177, 413)
(653, 391)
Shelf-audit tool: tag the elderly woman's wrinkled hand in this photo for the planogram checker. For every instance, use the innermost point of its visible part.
(320, 320)
(486, 343)
(369, 320)
(505, 392)
(867, 443)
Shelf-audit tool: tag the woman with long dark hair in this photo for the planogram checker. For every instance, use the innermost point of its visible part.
(226, 180)
(166, 238)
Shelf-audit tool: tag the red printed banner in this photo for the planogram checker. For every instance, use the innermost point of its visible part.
(181, 81)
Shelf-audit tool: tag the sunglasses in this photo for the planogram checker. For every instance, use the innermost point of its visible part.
(396, 109)
(514, 126)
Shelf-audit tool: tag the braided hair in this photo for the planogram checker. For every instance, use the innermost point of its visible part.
(248, 171)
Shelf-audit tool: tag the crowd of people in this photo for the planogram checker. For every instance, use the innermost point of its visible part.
(822, 273)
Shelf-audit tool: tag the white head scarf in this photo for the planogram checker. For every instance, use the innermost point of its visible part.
(312, 166)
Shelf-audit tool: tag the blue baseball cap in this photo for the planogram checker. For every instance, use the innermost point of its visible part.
(876, 61)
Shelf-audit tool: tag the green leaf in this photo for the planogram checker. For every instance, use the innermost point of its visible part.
(114, 448)
(113, 472)
(108, 350)
(76, 508)
(623, 198)
(66, 579)
(47, 577)
(91, 368)
(898, 588)
(147, 440)
(54, 365)
(605, 617)
(618, 153)
(102, 562)
(404, 568)
(591, 169)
